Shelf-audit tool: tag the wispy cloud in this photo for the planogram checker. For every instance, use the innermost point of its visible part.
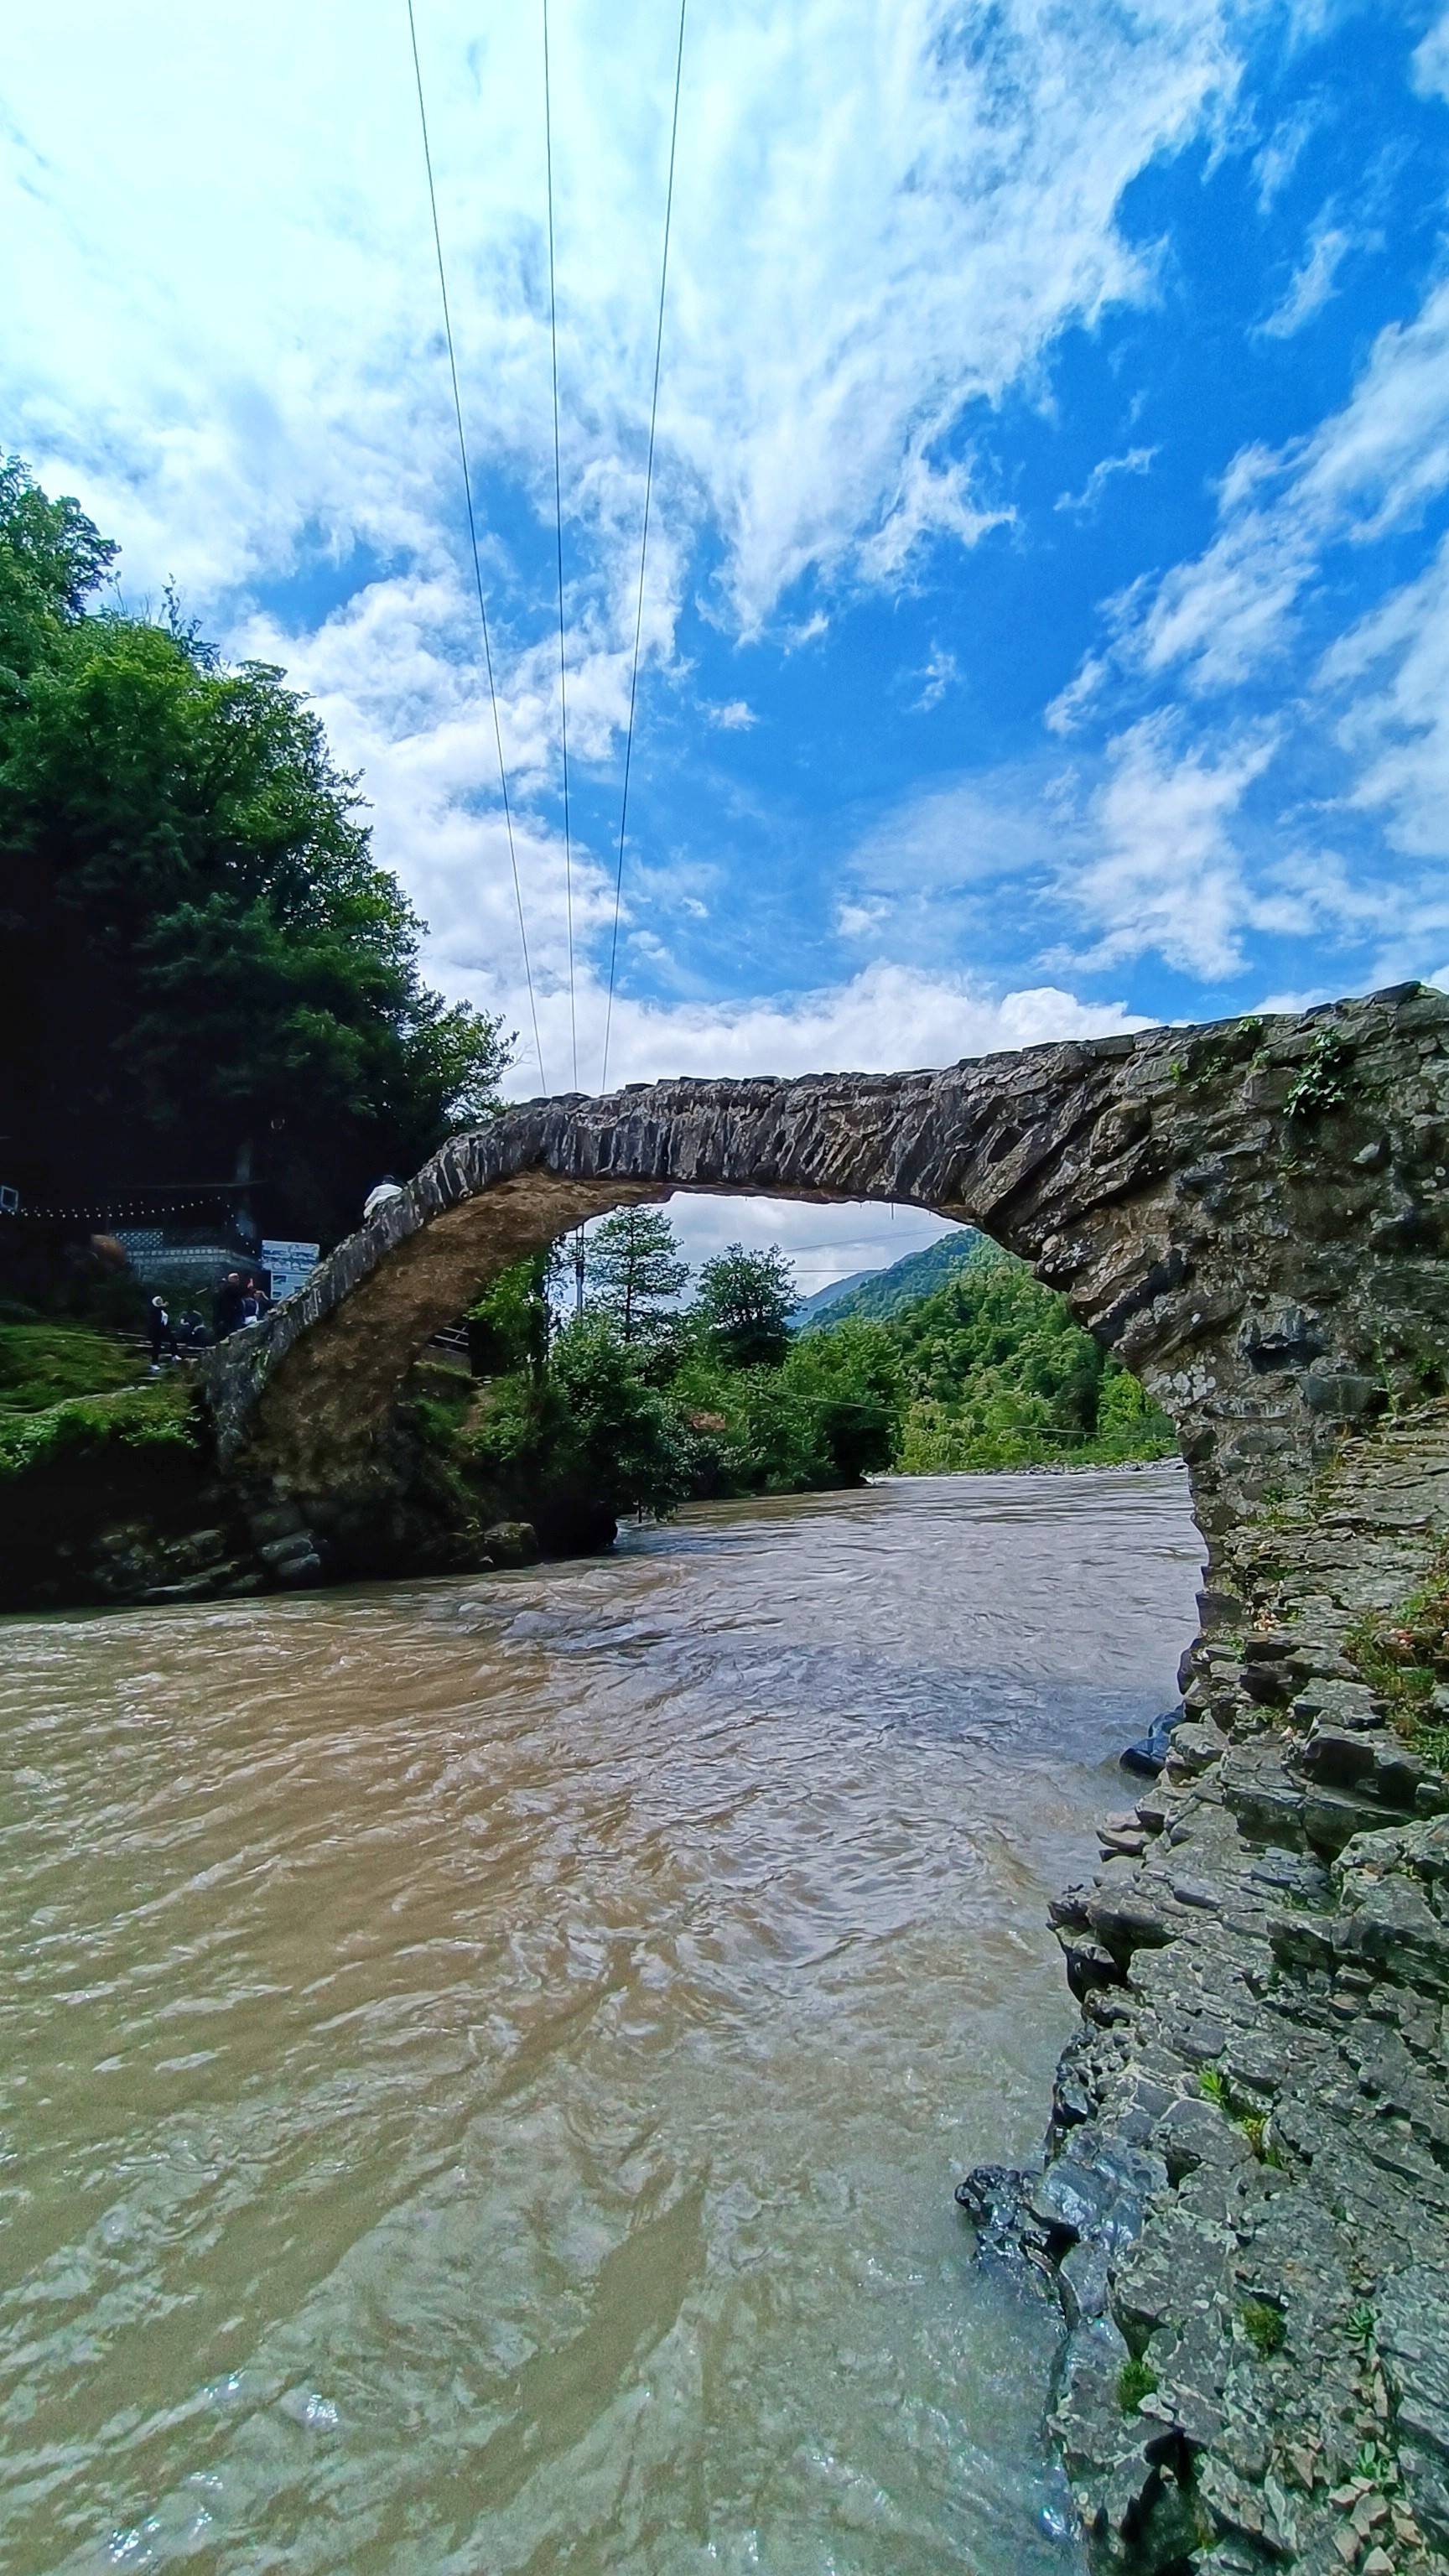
(1313, 282)
(1431, 61)
(1277, 159)
(941, 673)
(1368, 469)
(1138, 460)
(735, 716)
(1167, 875)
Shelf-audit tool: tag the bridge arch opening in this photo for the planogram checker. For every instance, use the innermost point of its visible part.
(1248, 1215)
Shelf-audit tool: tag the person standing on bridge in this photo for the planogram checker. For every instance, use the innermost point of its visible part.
(226, 1306)
(389, 1187)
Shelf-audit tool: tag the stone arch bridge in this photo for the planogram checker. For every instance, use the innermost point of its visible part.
(1252, 1215)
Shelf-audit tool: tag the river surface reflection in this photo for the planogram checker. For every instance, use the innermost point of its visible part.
(485, 2062)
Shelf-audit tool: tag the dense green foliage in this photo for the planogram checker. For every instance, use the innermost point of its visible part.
(205, 968)
(1001, 1376)
(745, 1306)
(638, 1407)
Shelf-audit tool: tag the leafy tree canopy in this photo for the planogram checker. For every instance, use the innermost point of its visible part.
(634, 1270)
(204, 961)
(745, 1304)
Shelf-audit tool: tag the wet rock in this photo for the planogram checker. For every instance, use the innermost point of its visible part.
(512, 1542)
(1283, 2265)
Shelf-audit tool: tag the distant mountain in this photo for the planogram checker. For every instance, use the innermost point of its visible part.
(810, 1307)
(874, 1294)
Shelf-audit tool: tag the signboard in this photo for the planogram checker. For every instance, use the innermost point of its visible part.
(289, 1265)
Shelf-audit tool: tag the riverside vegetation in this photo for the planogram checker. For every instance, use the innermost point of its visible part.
(638, 1405)
(635, 1405)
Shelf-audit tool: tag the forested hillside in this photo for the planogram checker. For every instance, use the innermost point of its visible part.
(877, 1294)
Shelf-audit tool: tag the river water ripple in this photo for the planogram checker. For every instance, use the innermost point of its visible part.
(485, 2062)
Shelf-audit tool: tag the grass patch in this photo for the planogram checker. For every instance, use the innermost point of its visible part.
(1213, 2085)
(1362, 2325)
(1403, 1654)
(1265, 2326)
(160, 1413)
(1135, 2380)
(42, 1364)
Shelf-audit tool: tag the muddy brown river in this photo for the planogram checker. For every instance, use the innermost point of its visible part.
(485, 2063)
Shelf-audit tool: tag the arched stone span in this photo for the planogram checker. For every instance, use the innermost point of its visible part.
(1248, 1214)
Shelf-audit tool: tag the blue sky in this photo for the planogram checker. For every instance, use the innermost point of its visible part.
(1048, 617)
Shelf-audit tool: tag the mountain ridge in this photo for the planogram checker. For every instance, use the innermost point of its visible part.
(872, 1295)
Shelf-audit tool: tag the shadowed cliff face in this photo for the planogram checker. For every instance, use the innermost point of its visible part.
(1252, 1215)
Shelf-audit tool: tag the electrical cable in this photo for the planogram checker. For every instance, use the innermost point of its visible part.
(643, 553)
(473, 541)
(563, 698)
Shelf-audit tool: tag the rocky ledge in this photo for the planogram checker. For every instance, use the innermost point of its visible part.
(1244, 2202)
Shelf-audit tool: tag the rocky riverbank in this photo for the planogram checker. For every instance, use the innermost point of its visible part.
(1244, 2204)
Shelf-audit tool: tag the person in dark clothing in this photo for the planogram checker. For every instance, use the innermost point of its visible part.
(158, 1331)
(226, 1306)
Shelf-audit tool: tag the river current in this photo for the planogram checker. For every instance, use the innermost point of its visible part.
(484, 2063)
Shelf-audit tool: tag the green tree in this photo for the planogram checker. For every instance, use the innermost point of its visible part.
(205, 967)
(745, 1304)
(851, 1381)
(635, 1270)
(509, 1325)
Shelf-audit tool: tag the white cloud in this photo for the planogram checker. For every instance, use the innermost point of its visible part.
(884, 1019)
(875, 227)
(1070, 705)
(1365, 471)
(1313, 283)
(1138, 460)
(1275, 163)
(735, 717)
(1167, 875)
(823, 1243)
(1393, 667)
(1431, 61)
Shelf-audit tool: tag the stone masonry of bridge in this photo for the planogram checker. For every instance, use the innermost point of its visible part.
(1250, 1215)
(1242, 2206)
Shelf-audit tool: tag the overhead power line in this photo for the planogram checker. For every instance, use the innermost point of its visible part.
(643, 552)
(473, 542)
(563, 695)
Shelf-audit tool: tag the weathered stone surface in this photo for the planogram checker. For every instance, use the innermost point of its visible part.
(1252, 1266)
(1282, 2058)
